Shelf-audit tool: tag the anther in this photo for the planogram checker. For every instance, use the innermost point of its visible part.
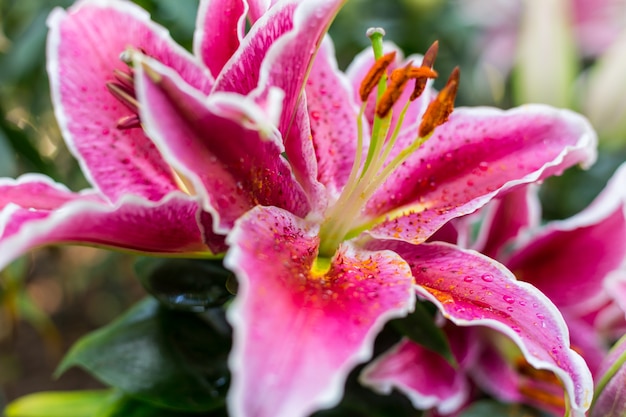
(374, 75)
(397, 81)
(125, 97)
(128, 122)
(427, 62)
(441, 107)
(125, 79)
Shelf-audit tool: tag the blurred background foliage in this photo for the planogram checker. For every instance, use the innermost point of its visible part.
(55, 295)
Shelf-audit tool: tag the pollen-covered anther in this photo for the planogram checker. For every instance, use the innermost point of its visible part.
(441, 107)
(397, 81)
(428, 61)
(375, 74)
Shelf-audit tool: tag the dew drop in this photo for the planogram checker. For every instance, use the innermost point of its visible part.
(470, 183)
(510, 309)
(508, 299)
(483, 166)
(540, 316)
(315, 115)
(487, 277)
(468, 278)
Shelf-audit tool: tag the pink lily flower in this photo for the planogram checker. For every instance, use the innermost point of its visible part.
(138, 201)
(578, 263)
(317, 281)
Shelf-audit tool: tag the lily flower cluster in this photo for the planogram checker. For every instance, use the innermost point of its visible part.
(319, 188)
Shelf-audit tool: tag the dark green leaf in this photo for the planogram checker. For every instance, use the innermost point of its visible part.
(167, 358)
(186, 284)
(420, 327)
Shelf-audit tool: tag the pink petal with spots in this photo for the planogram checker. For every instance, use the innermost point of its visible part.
(220, 144)
(84, 47)
(425, 377)
(297, 334)
(278, 53)
(35, 212)
(569, 260)
(333, 117)
(506, 218)
(471, 289)
(478, 154)
(220, 26)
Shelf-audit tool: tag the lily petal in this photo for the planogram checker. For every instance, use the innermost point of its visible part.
(478, 154)
(471, 289)
(569, 259)
(84, 47)
(220, 144)
(278, 53)
(506, 218)
(299, 332)
(425, 377)
(220, 26)
(333, 116)
(55, 215)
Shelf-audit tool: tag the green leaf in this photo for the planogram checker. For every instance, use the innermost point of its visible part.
(420, 327)
(58, 404)
(124, 406)
(186, 284)
(167, 358)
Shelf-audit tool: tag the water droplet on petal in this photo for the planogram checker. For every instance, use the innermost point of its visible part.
(540, 316)
(487, 277)
(468, 278)
(483, 166)
(508, 299)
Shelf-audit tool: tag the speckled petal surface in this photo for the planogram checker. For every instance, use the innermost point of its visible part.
(220, 26)
(221, 144)
(278, 53)
(35, 212)
(84, 47)
(333, 119)
(477, 154)
(473, 290)
(297, 334)
(569, 260)
(425, 377)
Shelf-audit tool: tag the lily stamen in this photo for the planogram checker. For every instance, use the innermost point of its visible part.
(428, 61)
(375, 74)
(441, 107)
